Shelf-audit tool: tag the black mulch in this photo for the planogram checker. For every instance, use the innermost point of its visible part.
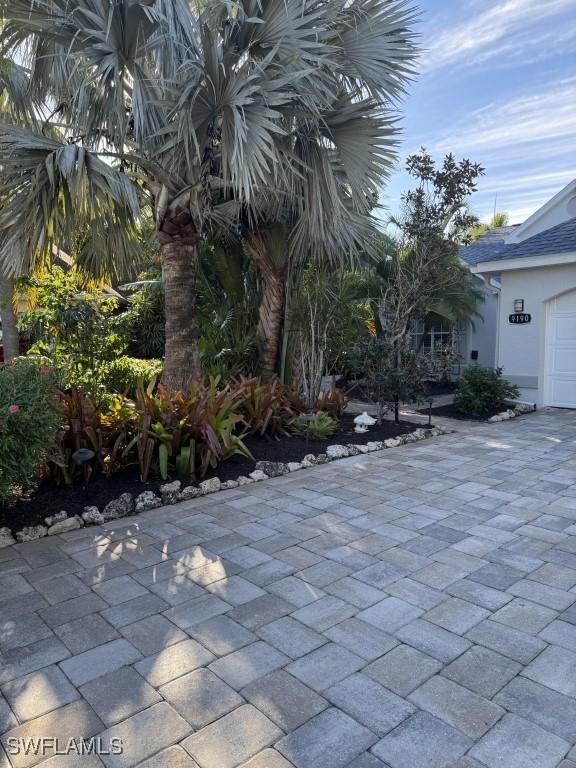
(450, 412)
(49, 499)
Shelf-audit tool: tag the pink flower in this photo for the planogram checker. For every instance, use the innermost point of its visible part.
(13, 408)
(44, 369)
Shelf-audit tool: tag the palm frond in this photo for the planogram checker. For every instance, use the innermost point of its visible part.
(50, 189)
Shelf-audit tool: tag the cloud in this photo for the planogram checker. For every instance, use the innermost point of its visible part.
(540, 123)
(506, 28)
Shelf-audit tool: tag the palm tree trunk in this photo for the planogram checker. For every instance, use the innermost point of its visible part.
(10, 338)
(271, 314)
(274, 273)
(182, 356)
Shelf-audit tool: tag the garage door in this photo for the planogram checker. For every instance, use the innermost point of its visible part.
(561, 352)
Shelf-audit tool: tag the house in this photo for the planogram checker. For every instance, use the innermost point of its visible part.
(531, 268)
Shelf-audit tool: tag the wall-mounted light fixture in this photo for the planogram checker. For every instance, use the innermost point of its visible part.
(518, 305)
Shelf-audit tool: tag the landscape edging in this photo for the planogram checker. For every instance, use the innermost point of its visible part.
(173, 493)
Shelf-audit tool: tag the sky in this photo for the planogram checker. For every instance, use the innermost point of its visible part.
(496, 84)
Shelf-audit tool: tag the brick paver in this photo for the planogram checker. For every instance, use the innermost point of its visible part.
(412, 608)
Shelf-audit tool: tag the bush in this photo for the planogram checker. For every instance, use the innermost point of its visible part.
(320, 426)
(122, 375)
(28, 423)
(266, 407)
(482, 390)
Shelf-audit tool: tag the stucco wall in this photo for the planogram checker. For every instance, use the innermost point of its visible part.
(481, 337)
(521, 347)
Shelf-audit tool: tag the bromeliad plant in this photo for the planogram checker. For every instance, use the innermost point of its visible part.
(267, 408)
(190, 432)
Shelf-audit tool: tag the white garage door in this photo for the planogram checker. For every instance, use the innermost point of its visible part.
(560, 388)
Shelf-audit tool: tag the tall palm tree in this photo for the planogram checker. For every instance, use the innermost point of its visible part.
(189, 107)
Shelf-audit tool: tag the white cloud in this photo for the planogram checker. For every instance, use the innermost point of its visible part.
(534, 125)
(506, 27)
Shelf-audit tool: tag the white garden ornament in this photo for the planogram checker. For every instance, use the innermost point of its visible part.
(362, 422)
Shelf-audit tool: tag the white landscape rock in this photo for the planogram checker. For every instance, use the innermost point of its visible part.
(92, 516)
(272, 468)
(65, 526)
(337, 451)
(294, 466)
(31, 533)
(309, 460)
(147, 500)
(353, 450)
(228, 484)
(120, 507)
(363, 449)
(258, 475)
(210, 486)
(190, 492)
(243, 480)
(170, 492)
(6, 538)
(392, 442)
(59, 516)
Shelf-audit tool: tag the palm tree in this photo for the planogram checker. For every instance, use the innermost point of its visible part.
(498, 220)
(189, 107)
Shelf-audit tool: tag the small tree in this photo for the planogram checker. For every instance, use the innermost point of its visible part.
(392, 373)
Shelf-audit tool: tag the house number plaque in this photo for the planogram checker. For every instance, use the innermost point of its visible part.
(519, 318)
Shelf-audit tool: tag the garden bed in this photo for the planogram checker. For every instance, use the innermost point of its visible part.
(450, 412)
(48, 500)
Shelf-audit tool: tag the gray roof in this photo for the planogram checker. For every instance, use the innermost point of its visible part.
(492, 245)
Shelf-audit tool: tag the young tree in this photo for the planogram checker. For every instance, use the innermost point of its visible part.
(190, 107)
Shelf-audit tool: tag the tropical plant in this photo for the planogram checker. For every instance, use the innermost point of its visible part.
(230, 291)
(28, 424)
(72, 326)
(482, 390)
(267, 408)
(190, 432)
(121, 376)
(480, 228)
(102, 429)
(318, 426)
(325, 317)
(200, 109)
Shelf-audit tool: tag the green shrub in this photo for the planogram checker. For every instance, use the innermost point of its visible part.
(320, 426)
(482, 390)
(29, 422)
(122, 375)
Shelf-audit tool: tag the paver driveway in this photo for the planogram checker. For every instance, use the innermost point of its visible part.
(410, 608)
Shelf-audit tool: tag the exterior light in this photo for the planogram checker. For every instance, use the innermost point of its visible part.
(518, 305)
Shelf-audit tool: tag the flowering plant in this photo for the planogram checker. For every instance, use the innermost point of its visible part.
(28, 423)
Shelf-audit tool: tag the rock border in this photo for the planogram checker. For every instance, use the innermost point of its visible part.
(173, 493)
(519, 409)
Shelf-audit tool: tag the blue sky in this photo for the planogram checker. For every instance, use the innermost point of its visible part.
(497, 84)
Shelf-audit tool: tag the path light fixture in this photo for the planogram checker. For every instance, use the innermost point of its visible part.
(82, 457)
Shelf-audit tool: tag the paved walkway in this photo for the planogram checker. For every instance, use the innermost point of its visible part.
(411, 608)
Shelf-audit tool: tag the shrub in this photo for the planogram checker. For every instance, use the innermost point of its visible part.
(122, 375)
(482, 390)
(266, 408)
(320, 426)
(189, 432)
(28, 423)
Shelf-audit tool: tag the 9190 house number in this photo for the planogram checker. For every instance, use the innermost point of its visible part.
(519, 318)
